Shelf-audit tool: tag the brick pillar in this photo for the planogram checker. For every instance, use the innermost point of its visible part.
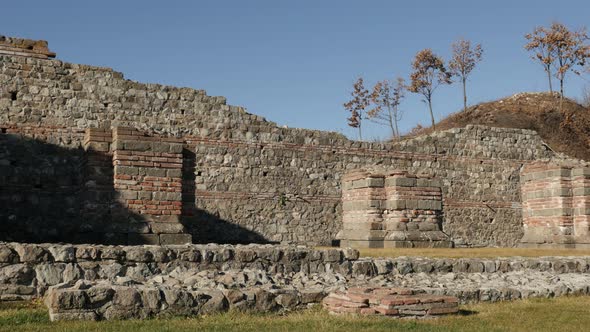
(547, 208)
(148, 184)
(581, 205)
(97, 192)
(362, 197)
(413, 212)
(393, 210)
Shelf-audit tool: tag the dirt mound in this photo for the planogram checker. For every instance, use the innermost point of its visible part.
(566, 130)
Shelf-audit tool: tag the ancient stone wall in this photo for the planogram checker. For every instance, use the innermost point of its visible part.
(244, 178)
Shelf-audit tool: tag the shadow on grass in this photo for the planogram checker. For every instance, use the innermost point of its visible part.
(463, 312)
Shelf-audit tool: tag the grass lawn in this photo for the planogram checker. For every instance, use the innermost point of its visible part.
(471, 252)
(561, 314)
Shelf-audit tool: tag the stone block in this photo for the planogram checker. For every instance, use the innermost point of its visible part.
(428, 226)
(168, 239)
(167, 227)
(138, 227)
(126, 170)
(176, 148)
(581, 191)
(98, 146)
(174, 173)
(395, 204)
(400, 182)
(127, 194)
(158, 172)
(161, 218)
(160, 147)
(138, 239)
(584, 171)
(137, 146)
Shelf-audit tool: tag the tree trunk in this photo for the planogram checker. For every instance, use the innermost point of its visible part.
(561, 87)
(561, 94)
(390, 118)
(360, 132)
(431, 114)
(464, 96)
(393, 132)
(548, 70)
(396, 127)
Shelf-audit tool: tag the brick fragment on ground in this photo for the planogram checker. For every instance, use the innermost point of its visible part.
(392, 302)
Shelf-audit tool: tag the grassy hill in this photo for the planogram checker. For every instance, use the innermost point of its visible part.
(565, 130)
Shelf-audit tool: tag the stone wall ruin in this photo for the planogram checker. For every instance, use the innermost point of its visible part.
(243, 179)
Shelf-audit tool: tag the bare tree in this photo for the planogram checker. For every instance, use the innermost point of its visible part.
(538, 43)
(361, 99)
(559, 50)
(463, 62)
(387, 97)
(429, 73)
(570, 51)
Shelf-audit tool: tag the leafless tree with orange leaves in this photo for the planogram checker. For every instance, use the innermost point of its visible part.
(386, 97)
(463, 62)
(560, 50)
(570, 51)
(542, 48)
(361, 99)
(429, 73)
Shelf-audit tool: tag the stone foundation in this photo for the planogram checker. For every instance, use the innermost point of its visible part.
(391, 209)
(391, 302)
(556, 206)
(285, 277)
(107, 301)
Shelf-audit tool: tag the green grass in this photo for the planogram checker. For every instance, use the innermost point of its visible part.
(561, 314)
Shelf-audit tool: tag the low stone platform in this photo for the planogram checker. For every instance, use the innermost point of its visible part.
(283, 277)
(128, 300)
(392, 302)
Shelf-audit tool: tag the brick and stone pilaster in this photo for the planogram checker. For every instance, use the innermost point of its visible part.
(555, 205)
(391, 209)
(148, 187)
(97, 192)
(363, 194)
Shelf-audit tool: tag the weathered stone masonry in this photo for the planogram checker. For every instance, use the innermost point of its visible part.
(391, 209)
(243, 179)
(30, 271)
(556, 201)
(143, 174)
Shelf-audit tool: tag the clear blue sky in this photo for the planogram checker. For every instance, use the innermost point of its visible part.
(294, 62)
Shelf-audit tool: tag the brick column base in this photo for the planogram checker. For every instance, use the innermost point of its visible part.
(555, 206)
(392, 209)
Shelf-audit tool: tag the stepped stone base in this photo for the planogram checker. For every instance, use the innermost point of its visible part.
(392, 302)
